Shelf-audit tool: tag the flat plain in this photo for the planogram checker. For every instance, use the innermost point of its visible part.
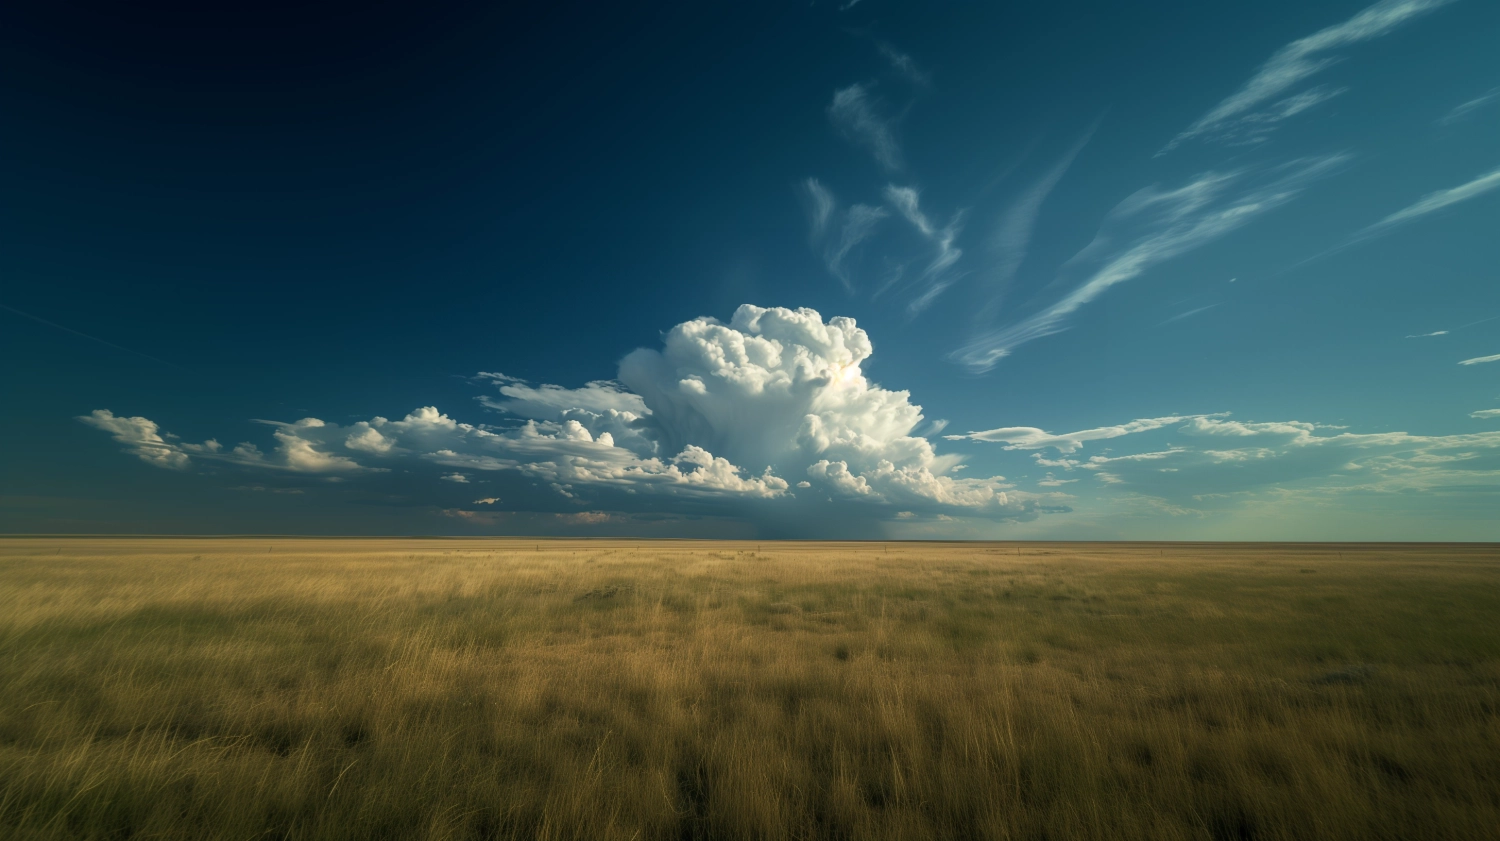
(474, 689)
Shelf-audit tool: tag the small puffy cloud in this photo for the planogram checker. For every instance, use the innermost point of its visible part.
(301, 447)
(455, 477)
(552, 401)
(489, 500)
(475, 518)
(141, 438)
(297, 443)
(586, 518)
(367, 438)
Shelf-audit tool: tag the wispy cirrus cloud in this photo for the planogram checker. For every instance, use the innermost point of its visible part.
(856, 112)
(1464, 110)
(937, 275)
(837, 232)
(1431, 203)
(1233, 118)
(1151, 227)
(1032, 438)
(1189, 314)
(1012, 236)
(1454, 330)
(1220, 458)
(1213, 459)
(69, 330)
(1485, 413)
(903, 64)
(1480, 360)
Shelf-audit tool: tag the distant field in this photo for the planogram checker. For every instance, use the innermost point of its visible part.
(472, 689)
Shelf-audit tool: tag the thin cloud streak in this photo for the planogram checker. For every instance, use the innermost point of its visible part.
(1033, 438)
(1012, 238)
(1176, 222)
(1297, 61)
(1463, 110)
(1188, 314)
(1432, 202)
(822, 205)
(854, 111)
(858, 224)
(903, 64)
(1480, 360)
(55, 326)
(907, 201)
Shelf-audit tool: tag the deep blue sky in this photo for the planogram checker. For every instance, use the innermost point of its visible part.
(1239, 225)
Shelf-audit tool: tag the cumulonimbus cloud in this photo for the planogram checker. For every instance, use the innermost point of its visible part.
(729, 414)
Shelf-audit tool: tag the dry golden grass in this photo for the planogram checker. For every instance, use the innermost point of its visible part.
(448, 689)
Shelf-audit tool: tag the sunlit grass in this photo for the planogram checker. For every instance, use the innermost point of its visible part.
(242, 689)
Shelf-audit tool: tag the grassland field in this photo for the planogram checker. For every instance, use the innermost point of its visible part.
(479, 689)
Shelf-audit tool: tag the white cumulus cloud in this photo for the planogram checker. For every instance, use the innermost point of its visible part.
(722, 416)
(141, 438)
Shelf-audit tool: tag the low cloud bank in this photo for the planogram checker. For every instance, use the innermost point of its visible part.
(766, 416)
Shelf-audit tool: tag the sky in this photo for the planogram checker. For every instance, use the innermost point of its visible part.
(860, 269)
